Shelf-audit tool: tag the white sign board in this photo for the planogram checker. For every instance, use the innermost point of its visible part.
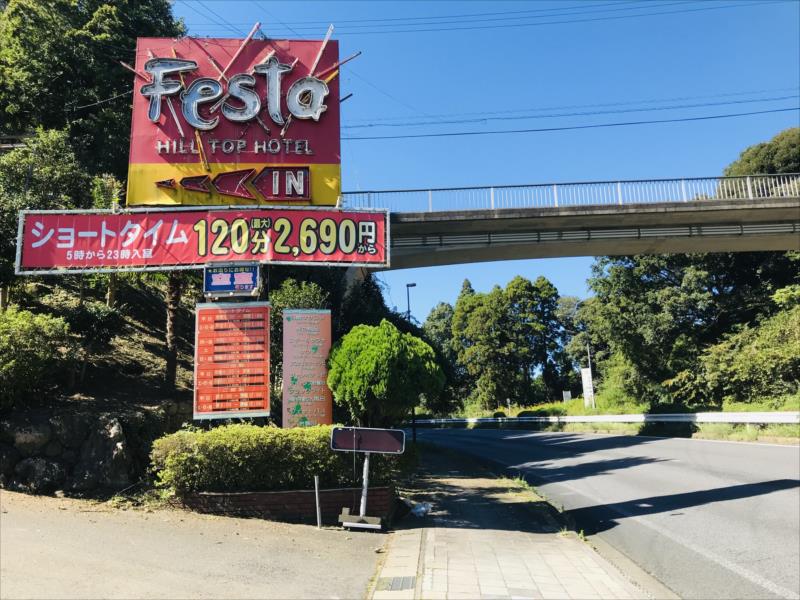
(588, 390)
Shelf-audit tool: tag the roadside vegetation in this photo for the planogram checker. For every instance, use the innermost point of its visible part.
(244, 457)
(664, 333)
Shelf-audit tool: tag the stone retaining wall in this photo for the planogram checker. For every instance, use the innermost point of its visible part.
(297, 506)
(43, 451)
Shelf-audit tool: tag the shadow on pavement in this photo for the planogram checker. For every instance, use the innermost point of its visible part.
(464, 495)
(554, 474)
(594, 519)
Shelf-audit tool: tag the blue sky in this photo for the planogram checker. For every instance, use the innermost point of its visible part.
(534, 55)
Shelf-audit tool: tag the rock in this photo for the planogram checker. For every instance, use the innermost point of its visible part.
(39, 475)
(70, 429)
(69, 456)
(7, 431)
(53, 449)
(30, 437)
(9, 457)
(105, 460)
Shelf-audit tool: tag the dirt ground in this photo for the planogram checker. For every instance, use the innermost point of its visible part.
(65, 548)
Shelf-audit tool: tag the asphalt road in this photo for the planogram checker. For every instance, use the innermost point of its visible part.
(60, 548)
(707, 519)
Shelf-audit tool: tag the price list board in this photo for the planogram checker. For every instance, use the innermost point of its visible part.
(231, 366)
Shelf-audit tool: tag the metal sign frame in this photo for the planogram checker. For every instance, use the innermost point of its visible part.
(231, 414)
(23, 214)
(355, 429)
(234, 293)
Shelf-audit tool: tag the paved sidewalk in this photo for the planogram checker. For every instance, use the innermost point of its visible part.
(489, 538)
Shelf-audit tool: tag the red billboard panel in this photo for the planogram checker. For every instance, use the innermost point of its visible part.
(231, 363)
(307, 399)
(190, 238)
(235, 121)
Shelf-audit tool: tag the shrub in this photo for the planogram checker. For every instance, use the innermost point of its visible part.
(748, 366)
(34, 349)
(236, 458)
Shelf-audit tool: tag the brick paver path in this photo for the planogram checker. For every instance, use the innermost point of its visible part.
(484, 539)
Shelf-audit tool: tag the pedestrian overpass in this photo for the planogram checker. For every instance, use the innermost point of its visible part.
(709, 214)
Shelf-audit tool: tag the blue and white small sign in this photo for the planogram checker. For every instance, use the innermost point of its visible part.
(231, 280)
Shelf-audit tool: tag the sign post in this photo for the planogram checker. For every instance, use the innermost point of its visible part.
(366, 440)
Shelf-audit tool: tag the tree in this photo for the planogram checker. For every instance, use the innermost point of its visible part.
(506, 339)
(438, 332)
(378, 374)
(658, 313)
(43, 174)
(481, 333)
(106, 192)
(175, 285)
(779, 155)
(291, 294)
(59, 64)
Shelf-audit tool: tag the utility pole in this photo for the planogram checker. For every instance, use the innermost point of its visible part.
(413, 408)
(408, 299)
(589, 358)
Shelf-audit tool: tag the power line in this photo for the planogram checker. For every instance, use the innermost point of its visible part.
(104, 100)
(573, 114)
(507, 16)
(593, 105)
(214, 16)
(568, 128)
(462, 15)
(349, 69)
(562, 22)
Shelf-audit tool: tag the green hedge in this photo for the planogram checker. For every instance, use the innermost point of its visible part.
(238, 458)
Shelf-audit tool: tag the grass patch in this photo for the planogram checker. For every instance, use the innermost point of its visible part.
(775, 432)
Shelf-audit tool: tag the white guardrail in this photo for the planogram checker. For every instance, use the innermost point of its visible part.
(589, 193)
(752, 418)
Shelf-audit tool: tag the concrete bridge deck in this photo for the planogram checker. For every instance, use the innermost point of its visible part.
(607, 218)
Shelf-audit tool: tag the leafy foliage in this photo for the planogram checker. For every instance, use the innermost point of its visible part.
(59, 64)
(291, 294)
(235, 458)
(661, 323)
(780, 155)
(33, 351)
(754, 363)
(379, 373)
(43, 174)
(509, 342)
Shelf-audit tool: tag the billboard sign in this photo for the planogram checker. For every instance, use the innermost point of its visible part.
(163, 239)
(235, 121)
(307, 399)
(231, 363)
(231, 280)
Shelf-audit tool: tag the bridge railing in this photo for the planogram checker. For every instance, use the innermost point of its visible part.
(598, 193)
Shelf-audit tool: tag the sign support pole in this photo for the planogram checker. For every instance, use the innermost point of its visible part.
(363, 509)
